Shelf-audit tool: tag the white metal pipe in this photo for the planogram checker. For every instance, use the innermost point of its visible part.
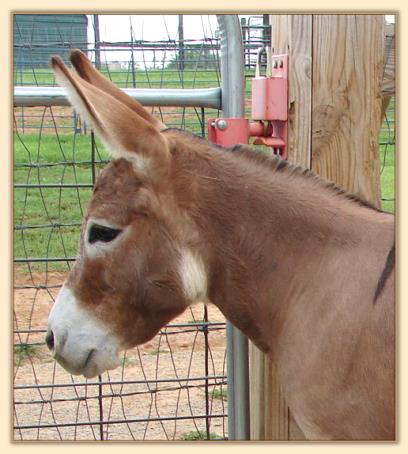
(233, 105)
(55, 96)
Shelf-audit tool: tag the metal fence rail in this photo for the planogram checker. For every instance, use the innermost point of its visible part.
(55, 96)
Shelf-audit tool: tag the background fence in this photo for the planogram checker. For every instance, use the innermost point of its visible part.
(174, 387)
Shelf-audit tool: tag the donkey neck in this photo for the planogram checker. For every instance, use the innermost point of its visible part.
(261, 227)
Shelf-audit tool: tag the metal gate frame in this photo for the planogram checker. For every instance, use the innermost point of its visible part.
(233, 105)
(230, 98)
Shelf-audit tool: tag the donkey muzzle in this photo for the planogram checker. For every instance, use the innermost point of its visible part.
(79, 341)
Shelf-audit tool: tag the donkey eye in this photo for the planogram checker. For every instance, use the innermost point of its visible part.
(102, 233)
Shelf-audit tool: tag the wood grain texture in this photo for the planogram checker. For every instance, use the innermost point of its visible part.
(348, 58)
(300, 89)
(269, 413)
(257, 392)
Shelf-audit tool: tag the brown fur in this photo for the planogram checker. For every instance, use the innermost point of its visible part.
(291, 261)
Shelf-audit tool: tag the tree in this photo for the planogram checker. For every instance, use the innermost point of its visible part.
(195, 58)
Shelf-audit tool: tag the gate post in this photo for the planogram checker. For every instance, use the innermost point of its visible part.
(233, 105)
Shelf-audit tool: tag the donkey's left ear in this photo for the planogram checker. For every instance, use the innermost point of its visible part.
(86, 70)
(125, 133)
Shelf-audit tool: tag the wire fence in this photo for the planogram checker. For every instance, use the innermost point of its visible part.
(174, 387)
(387, 158)
(387, 133)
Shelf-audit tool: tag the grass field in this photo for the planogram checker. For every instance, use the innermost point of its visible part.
(188, 78)
(65, 161)
(54, 159)
(387, 160)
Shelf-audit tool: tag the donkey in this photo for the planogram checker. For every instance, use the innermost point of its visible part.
(305, 270)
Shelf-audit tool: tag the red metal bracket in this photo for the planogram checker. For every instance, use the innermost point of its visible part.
(228, 131)
(269, 110)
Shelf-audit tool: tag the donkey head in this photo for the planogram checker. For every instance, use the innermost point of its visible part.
(135, 269)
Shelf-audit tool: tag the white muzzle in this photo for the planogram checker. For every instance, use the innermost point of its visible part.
(80, 342)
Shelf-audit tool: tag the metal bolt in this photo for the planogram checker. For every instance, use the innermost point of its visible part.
(222, 124)
(275, 64)
(280, 63)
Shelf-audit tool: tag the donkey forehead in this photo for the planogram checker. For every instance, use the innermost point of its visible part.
(118, 177)
(119, 192)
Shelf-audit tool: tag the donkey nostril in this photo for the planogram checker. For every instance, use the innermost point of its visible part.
(49, 340)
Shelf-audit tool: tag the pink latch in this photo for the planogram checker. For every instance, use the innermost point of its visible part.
(269, 110)
(270, 103)
(228, 131)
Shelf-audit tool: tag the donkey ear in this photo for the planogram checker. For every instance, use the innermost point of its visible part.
(124, 133)
(85, 69)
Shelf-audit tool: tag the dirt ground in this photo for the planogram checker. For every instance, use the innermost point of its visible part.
(166, 399)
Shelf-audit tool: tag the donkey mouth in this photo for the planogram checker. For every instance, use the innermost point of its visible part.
(96, 363)
(93, 365)
(75, 369)
(90, 368)
(87, 363)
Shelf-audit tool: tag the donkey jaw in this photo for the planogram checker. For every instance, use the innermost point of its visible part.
(79, 342)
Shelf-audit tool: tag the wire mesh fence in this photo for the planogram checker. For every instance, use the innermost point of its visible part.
(387, 157)
(179, 375)
(174, 387)
(387, 133)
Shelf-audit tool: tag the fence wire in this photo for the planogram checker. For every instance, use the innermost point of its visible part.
(387, 133)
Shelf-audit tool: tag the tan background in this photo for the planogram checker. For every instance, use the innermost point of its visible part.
(207, 6)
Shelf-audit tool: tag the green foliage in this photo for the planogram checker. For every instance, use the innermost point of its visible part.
(219, 393)
(24, 351)
(199, 435)
(200, 58)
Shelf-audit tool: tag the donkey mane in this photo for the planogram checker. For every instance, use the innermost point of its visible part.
(277, 164)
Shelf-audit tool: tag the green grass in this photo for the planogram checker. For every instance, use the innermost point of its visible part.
(198, 435)
(387, 160)
(387, 168)
(23, 352)
(219, 393)
(157, 351)
(122, 78)
(36, 207)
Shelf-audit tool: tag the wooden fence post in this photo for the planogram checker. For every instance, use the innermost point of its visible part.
(336, 68)
(347, 98)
